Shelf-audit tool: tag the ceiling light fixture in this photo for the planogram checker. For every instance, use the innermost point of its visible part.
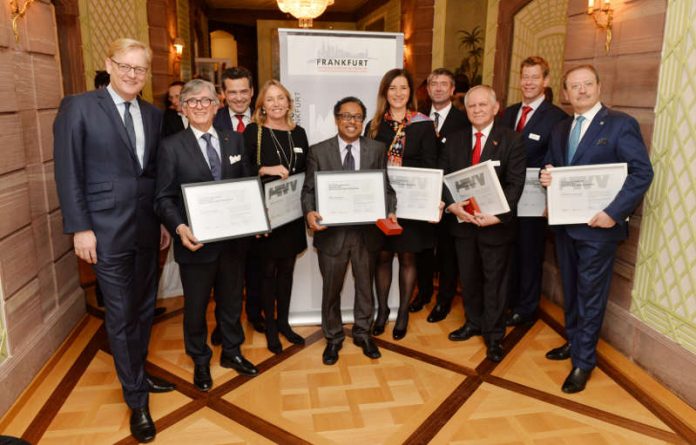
(304, 10)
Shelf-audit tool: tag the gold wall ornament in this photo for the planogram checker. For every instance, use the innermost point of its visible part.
(17, 13)
(603, 16)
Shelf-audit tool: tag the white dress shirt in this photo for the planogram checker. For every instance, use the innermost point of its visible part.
(215, 140)
(137, 121)
(354, 150)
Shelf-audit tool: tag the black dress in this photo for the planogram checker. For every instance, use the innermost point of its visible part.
(290, 239)
(420, 151)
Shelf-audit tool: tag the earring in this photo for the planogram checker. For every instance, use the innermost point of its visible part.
(263, 111)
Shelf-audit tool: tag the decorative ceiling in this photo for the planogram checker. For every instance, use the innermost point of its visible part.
(348, 6)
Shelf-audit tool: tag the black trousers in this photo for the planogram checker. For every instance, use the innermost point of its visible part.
(225, 277)
(333, 272)
(276, 289)
(128, 281)
(526, 267)
(484, 271)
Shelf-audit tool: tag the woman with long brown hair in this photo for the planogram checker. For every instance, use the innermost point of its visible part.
(279, 148)
(411, 142)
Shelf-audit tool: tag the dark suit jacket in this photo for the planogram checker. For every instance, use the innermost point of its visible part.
(171, 123)
(455, 121)
(223, 119)
(503, 145)
(181, 162)
(612, 137)
(539, 127)
(325, 156)
(101, 185)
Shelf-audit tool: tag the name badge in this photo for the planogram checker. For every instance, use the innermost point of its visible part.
(297, 149)
(495, 163)
(534, 137)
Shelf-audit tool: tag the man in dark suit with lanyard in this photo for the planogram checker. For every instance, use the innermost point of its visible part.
(533, 118)
(447, 120)
(238, 87)
(586, 252)
(105, 147)
(201, 154)
(337, 246)
(484, 241)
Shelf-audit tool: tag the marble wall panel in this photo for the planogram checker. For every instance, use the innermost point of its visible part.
(67, 278)
(13, 157)
(41, 28)
(23, 314)
(17, 260)
(47, 81)
(60, 242)
(23, 73)
(14, 202)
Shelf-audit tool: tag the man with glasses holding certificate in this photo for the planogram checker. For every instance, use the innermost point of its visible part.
(357, 244)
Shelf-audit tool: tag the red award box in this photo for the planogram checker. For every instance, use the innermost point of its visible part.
(472, 207)
(389, 227)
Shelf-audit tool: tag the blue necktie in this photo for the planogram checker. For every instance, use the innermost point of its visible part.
(213, 157)
(574, 138)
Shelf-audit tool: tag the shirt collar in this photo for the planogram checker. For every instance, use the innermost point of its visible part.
(591, 113)
(342, 144)
(246, 114)
(198, 133)
(536, 103)
(486, 131)
(443, 112)
(118, 100)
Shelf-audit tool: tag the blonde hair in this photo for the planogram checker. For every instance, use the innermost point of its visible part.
(123, 45)
(259, 113)
(383, 105)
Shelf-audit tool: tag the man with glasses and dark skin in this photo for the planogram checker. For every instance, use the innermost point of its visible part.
(201, 154)
(105, 149)
(357, 244)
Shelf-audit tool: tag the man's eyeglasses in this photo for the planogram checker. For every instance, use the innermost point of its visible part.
(347, 117)
(205, 102)
(124, 68)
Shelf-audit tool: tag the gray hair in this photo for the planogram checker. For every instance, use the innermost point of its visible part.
(488, 88)
(195, 86)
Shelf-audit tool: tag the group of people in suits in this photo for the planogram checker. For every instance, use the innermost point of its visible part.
(119, 170)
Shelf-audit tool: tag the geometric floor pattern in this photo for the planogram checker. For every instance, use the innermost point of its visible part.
(424, 389)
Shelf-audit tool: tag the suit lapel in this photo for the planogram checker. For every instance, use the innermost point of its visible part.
(148, 130)
(467, 151)
(490, 148)
(537, 117)
(191, 146)
(110, 109)
(335, 155)
(596, 126)
(227, 151)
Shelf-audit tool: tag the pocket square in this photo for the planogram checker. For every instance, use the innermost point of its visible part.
(235, 159)
(602, 141)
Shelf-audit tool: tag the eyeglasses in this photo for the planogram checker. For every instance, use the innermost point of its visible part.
(347, 117)
(205, 102)
(124, 68)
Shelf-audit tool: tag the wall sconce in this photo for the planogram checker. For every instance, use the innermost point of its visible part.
(603, 15)
(179, 47)
(17, 13)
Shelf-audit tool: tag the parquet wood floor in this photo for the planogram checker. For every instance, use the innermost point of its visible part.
(424, 389)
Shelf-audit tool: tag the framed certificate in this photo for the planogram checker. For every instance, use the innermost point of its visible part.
(577, 193)
(481, 182)
(282, 198)
(219, 210)
(533, 200)
(418, 192)
(350, 197)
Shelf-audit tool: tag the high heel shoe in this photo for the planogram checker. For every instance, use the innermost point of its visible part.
(400, 332)
(378, 327)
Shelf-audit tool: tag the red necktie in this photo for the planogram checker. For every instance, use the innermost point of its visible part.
(240, 123)
(523, 119)
(476, 155)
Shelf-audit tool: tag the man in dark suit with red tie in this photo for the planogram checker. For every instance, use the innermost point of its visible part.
(105, 148)
(238, 87)
(595, 135)
(533, 119)
(447, 119)
(484, 241)
(201, 154)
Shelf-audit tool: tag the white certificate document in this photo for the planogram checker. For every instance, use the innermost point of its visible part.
(219, 210)
(577, 193)
(533, 199)
(282, 198)
(481, 182)
(350, 197)
(418, 192)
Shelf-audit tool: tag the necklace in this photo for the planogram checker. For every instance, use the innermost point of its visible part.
(289, 163)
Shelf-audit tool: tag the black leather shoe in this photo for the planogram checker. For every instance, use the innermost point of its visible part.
(273, 343)
(239, 364)
(418, 303)
(216, 336)
(292, 336)
(201, 378)
(330, 355)
(518, 320)
(141, 425)
(576, 381)
(258, 325)
(398, 334)
(464, 333)
(438, 313)
(368, 346)
(559, 353)
(380, 322)
(156, 384)
(159, 311)
(495, 352)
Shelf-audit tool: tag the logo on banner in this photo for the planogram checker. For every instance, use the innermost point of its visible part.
(334, 59)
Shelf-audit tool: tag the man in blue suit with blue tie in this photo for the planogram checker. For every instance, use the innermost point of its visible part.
(586, 252)
(105, 149)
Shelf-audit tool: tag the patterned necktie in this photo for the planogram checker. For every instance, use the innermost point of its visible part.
(523, 119)
(130, 128)
(213, 157)
(436, 115)
(240, 123)
(349, 160)
(476, 155)
(574, 139)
